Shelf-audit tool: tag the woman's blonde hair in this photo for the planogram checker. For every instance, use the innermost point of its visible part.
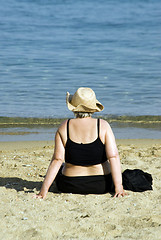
(82, 114)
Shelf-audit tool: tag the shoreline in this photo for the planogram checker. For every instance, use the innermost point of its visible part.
(147, 120)
(48, 134)
(124, 127)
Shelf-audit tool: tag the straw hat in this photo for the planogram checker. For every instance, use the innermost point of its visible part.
(84, 100)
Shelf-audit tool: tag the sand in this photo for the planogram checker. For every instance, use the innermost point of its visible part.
(71, 216)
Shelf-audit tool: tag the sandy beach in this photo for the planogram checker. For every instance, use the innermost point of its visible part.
(71, 216)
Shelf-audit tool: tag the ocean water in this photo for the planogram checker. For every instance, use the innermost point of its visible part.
(50, 47)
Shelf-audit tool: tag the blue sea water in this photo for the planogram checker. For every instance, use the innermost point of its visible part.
(50, 47)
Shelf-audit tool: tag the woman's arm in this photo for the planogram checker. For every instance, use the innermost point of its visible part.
(55, 164)
(113, 157)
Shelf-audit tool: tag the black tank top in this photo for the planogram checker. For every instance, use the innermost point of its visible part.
(84, 154)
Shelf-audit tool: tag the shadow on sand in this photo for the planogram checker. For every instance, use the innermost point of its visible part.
(26, 186)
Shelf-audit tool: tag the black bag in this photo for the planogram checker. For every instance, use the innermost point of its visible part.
(136, 180)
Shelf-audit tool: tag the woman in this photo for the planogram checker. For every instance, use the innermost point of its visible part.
(88, 148)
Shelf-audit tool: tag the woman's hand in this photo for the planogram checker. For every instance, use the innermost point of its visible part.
(39, 196)
(42, 194)
(119, 191)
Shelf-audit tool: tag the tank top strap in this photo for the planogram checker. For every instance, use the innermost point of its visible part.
(68, 128)
(98, 126)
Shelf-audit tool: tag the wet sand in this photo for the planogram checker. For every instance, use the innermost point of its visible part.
(71, 216)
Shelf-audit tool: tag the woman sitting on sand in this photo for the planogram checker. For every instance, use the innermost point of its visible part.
(88, 148)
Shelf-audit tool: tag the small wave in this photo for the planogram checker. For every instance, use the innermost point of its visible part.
(134, 119)
(29, 122)
(146, 120)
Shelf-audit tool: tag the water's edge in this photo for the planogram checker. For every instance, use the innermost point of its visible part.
(124, 121)
(34, 129)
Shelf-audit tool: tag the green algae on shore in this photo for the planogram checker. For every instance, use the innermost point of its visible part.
(146, 121)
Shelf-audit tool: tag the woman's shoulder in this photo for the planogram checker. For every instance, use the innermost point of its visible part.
(106, 128)
(63, 125)
(104, 123)
(62, 129)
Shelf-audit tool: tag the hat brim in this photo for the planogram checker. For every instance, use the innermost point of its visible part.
(97, 107)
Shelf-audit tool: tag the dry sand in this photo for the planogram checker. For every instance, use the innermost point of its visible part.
(71, 216)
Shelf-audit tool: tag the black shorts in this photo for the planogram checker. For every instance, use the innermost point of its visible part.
(135, 180)
(95, 184)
